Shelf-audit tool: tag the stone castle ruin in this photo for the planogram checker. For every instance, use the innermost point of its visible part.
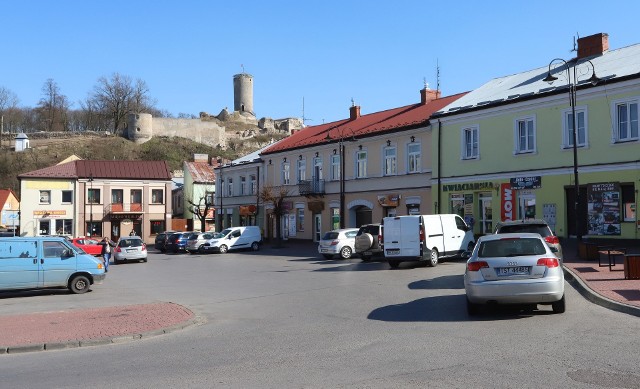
(216, 130)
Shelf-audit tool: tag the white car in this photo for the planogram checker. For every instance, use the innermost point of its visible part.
(196, 241)
(338, 242)
(130, 248)
(517, 268)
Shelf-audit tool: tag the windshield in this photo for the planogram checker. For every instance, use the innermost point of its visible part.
(77, 249)
(220, 235)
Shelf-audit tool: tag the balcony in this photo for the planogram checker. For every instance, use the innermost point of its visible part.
(313, 187)
(124, 208)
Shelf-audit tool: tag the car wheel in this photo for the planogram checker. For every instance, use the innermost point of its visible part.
(394, 264)
(433, 257)
(327, 256)
(79, 284)
(559, 306)
(223, 249)
(472, 309)
(345, 252)
(144, 260)
(255, 246)
(201, 250)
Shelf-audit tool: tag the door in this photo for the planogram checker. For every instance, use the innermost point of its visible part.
(19, 265)
(235, 239)
(317, 227)
(115, 230)
(486, 213)
(58, 262)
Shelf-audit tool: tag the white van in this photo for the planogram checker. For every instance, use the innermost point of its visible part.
(425, 238)
(234, 238)
(47, 262)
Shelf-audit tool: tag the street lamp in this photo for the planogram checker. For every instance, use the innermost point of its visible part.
(573, 84)
(342, 179)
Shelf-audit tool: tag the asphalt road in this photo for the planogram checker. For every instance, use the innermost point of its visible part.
(289, 319)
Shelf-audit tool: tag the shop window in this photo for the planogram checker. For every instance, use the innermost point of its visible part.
(628, 202)
(157, 226)
(300, 219)
(64, 226)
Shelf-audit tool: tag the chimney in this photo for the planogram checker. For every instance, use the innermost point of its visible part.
(427, 95)
(592, 45)
(354, 111)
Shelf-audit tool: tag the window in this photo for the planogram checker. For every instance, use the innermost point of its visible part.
(45, 197)
(285, 173)
(208, 197)
(157, 196)
(302, 169)
(413, 156)
(229, 186)
(136, 196)
(300, 219)
(628, 202)
(64, 226)
(390, 165)
(525, 136)
(254, 184)
(116, 196)
(67, 196)
(94, 228)
(626, 121)
(335, 167)
(157, 226)
(470, 143)
(581, 127)
(93, 196)
(243, 186)
(361, 164)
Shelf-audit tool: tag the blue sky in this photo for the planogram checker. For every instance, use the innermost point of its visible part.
(327, 52)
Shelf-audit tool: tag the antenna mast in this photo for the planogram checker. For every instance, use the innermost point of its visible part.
(437, 76)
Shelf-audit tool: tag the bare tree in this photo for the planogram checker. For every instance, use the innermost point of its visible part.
(8, 108)
(201, 203)
(118, 96)
(275, 197)
(53, 108)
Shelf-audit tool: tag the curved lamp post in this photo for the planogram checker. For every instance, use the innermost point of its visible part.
(573, 84)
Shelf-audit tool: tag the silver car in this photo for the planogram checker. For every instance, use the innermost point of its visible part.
(513, 269)
(196, 241)
(338, 242)
(130, 248)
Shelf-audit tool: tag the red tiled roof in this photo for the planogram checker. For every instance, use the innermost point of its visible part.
(201, 172)
(152, 170)
(4, 196)
(365, 125)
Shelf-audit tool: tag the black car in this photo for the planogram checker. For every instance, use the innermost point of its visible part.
(161, 240)
(369, 241)
(177, 242)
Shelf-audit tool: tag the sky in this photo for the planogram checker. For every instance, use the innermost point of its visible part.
(309, 57)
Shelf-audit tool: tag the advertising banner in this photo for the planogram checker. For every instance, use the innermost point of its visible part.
(508, 202)
(604, 208)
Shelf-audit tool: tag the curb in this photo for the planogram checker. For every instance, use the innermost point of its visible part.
(197, 320)
(596, 298)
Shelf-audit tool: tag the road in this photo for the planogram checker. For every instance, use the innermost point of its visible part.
(288, 319)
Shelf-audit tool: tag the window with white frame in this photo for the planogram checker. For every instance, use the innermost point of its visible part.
(157, 196)
(302, 169)
(413, 158)
(229, 186)
(390, 161)
(361, 164)
(470, 142)
(285, 178)
(67, 196)
(626, 121)
(243, 186)
(525, 134)
(335, 167)
(45, 197)
(581, 127)
(253, 183)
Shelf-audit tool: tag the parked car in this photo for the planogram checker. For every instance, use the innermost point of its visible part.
(517, 268)
(532, 225)
(177, 242)
(234, 238)
(130, 248)
(369, 241)
(196, 241)
(161, 240)
(338, 242)
(89, 245)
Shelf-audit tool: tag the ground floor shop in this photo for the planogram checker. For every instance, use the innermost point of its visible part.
(605, 205)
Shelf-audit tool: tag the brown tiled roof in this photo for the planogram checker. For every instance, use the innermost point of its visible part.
(201, 172)
(151, 170)
(366, 125)
(4, 196)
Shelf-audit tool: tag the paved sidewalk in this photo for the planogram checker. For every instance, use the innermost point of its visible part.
(90, 327)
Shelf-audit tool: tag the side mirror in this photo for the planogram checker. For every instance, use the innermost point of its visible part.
(66, 253)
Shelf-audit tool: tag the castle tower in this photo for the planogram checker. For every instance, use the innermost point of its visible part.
(139, 127)
(243, 93)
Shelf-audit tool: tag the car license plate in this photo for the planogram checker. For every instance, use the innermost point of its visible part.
(131, 250)
(323, 250)
(393, 251)
(513, 271)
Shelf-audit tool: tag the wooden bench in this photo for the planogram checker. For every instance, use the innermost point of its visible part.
(611, 252)
(632, 267)
(588, 251)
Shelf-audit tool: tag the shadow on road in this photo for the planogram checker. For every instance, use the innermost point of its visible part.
(443, 282)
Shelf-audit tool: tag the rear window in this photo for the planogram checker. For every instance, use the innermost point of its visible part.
(511, 248)
(535, 228)
(130, 243)
(330, 235)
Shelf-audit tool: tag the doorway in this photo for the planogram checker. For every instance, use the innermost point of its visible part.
(363, 216)
(317, 227)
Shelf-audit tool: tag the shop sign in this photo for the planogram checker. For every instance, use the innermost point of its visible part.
(49, 214)
(507, 204)
(124, 217)
(390, 200)
(526, 182)
(469, 186)
(247, 210)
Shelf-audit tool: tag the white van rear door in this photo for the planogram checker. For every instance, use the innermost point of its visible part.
(402, 236)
